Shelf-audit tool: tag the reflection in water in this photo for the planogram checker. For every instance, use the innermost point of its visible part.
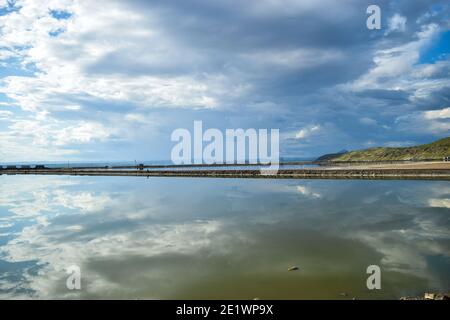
(221, 238)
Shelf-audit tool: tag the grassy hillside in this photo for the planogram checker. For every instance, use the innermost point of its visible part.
(436, 150)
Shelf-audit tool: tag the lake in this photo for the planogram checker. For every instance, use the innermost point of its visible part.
(203, 238)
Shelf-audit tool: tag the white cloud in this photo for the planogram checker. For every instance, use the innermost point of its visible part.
(67, 63)
(146, 241)
(368, 121)
(84, 201)
(439, 203)
(31, 139)
(433, 122)
(306, 191)
(307, 132)
(113, 58)
(105, 53)
(21, 148)
(82, 133)
(395, 67)
(436, 69)
(5, 114)
(57, 133)
(396, 23)
(437, 114)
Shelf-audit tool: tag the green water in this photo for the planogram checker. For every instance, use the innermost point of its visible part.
(189, 238)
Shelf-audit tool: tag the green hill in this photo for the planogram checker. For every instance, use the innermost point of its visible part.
(436, 151)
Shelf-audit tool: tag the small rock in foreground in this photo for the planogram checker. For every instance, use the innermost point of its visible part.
(429, 296)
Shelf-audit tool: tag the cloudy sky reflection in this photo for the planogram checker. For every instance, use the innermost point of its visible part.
(194, 238)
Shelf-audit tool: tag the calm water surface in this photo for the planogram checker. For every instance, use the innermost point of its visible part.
(162, 238)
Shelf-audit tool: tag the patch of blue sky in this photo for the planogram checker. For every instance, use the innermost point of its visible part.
(4, 98)
(56, 32)
(16, 70)
(16, 113)
(14, 226)
(9, 104)
(10, 7)
(438, 50)
(14, 67)
(4, 126)
(60, 14)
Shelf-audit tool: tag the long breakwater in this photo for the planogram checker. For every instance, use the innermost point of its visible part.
(313, 173)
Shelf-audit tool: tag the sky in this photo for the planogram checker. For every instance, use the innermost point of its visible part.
(111, 80)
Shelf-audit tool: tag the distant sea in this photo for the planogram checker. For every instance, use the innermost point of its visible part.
(68, 164)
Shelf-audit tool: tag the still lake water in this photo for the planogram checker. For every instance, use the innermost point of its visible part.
(164, 238)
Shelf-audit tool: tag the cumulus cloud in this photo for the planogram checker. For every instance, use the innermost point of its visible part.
(4, 3)
(397, 63)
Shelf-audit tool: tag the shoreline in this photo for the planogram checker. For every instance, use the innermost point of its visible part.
(410, 171)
